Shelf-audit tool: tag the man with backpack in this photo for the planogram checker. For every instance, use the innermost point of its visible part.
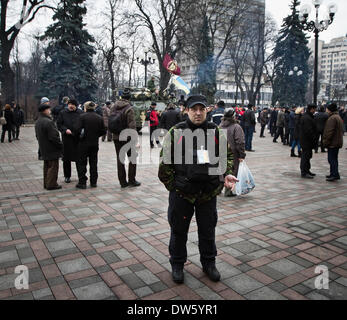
(122, 116)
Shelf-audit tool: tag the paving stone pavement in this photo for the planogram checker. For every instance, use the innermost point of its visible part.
(108, 243)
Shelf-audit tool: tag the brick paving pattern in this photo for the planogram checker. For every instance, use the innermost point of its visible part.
(108, 243)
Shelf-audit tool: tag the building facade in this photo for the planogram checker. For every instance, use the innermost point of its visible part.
(332, 68)
(227, 88)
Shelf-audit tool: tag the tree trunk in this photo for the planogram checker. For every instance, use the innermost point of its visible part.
(164, 78)
(7, 82)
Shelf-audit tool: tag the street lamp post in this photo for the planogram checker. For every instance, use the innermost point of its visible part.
(145, 62)
(316, 26)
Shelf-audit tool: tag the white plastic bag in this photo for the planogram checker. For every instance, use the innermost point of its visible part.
(246, 181)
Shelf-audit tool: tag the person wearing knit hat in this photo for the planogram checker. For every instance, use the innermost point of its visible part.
(50, 147)
(67, 122)
(333, 140)
(44, 100)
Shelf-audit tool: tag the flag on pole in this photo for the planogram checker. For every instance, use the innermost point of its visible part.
(180, 84)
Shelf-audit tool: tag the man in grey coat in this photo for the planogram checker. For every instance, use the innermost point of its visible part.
(280, 125)
(50, 146)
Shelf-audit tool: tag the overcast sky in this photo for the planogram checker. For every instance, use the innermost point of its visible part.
(279, 9)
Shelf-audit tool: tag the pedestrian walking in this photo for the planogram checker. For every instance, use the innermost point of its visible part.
(280, 126)
(193, 189)
(91, 127)
(333, 140)
(263, 118)
(321, 118)
(18, 118)
(124, 112)
(236, 141)
(68, 122)
(50, 146)
(9, 119)
(106, 114)
(250, 123)
(308, 140)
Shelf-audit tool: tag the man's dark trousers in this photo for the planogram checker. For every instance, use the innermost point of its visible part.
(67, 168)
(333, 154)
(50, 173)
(120, 164)
(305, 164)
(262, 130)
(88, 152)
(249, 137)
(180, 213)
(291, 136)
(279, 133)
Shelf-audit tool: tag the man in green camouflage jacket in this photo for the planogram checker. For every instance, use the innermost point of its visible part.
(196, 163)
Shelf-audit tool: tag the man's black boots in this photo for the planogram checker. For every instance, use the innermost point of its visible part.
(212, 273)
(177, 274)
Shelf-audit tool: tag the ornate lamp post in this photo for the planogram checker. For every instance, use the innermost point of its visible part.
(145, 62)
(316, 26)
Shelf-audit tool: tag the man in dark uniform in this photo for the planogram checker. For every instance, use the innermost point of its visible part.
(68, 121)
(193, 187)
(91, 128)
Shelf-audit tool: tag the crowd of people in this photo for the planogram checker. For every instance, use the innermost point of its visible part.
(72, 132)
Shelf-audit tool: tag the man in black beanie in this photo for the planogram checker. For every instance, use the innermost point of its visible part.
(333, 140)
(50, 146)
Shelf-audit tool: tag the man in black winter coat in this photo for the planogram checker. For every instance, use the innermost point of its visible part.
(91, 128)
(170, 117)
(50, 146)
(308, 140)
(250, 123)
(68, 122)
(18, 117)
(273, 121)
(321, 118)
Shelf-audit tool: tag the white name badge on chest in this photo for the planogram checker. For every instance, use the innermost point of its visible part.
(203, 156)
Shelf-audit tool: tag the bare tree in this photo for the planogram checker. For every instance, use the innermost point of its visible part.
(249, 52)
(224, 18)
(161, 19)
(109, 45)
(27, 13)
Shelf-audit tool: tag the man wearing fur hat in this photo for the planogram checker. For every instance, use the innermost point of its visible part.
(50, 146)
(68, 121)
(91, 128)
(333, 140)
